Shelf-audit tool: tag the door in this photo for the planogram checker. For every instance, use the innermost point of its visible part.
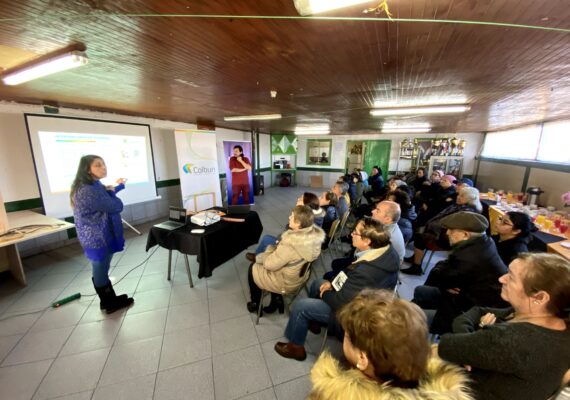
(377, 152)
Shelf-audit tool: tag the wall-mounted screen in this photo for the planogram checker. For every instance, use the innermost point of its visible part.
(59, 142)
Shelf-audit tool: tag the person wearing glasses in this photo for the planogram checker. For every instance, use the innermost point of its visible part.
(514, 229)
(376, 267)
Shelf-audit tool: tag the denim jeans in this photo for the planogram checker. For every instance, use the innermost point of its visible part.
(101, 271)
(305, 310)
(264, 242)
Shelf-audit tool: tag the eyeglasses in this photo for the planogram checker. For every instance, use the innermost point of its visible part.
(505, 221)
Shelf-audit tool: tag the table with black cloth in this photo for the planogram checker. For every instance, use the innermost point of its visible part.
(219, 243)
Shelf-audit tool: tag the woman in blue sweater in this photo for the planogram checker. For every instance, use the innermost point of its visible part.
(97, 213)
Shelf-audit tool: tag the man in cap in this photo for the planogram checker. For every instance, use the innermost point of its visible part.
(469, 276)
(463, 182)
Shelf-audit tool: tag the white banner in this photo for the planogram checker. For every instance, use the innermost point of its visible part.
(198, 169)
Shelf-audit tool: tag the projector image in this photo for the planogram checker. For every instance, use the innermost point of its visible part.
(205, 218)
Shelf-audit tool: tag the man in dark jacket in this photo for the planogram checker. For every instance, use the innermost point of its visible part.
(469, 276)
(376, 267)
(376, 184)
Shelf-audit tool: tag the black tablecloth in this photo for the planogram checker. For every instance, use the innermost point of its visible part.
(219, 243)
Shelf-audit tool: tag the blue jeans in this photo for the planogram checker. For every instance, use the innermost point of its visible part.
(101, 271)
(305, 310)
(264, 242)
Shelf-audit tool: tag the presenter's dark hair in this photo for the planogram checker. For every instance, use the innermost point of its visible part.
(83, 176)
(237, 146)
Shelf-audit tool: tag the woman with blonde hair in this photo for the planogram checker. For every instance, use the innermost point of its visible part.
(521, 352)
(386, 345)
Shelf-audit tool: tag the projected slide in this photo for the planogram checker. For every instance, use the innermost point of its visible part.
(125, 157)
(59, 142)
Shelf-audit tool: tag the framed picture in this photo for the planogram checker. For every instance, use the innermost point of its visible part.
(319, 151)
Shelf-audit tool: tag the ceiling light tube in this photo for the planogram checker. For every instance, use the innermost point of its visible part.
(420, 110)
(405, 130)
(404, 126)
(309, 7)
(312, 132)
(253, 117)
(50, 66)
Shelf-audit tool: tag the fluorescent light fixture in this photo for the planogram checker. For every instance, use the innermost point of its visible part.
(43, 68)
(405, 130)
(309, 7)
(253, 117)
(420, 110)
(322, 129)
(392, 125)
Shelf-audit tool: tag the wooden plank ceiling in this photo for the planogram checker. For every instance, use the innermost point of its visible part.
(158, 59)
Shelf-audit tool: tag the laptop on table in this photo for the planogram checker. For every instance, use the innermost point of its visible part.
(177, 218)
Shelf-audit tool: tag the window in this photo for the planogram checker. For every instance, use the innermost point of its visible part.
(521, 143)
(319, 152)
(555, 143)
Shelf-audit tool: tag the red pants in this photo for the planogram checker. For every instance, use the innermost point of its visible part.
(244, 189)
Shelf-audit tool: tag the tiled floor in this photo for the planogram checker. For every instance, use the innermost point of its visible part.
(176, 342)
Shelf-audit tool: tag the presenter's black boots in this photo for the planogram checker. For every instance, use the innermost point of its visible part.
(110, 302)
(276, 304)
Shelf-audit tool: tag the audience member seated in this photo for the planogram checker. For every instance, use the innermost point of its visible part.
(521, 352)
(407, 212)
(514, 229)
(328, 202)
(385, 343)
(277, 268)
(427, 192)
(388, 214)
(363, 177)
(341, 191)
(419, 180)
(443, 196)
(308, 199)
(434, 233)
(376, 184)
(463, 182)
(376, 266)
(469, 276)
(356, 189)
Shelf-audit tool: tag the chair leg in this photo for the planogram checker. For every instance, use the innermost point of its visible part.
(429, 260)
(326, 335)
(260, 306)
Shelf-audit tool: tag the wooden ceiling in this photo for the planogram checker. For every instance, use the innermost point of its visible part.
(190, 60)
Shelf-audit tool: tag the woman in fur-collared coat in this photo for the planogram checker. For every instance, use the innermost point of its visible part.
(277, 270)
(386, 344)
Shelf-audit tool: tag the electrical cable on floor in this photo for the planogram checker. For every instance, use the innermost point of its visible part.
(75, 296)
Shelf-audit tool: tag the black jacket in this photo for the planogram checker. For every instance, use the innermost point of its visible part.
(376, 182)
(510, 249)
(473, 266)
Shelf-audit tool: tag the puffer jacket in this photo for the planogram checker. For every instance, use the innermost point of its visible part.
(277, 269)
(442, 381)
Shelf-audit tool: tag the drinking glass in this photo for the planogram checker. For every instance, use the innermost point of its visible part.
(540, 219)
(548, 224)
(557, 223)
(563, 228)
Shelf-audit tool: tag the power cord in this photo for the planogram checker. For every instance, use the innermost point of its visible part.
(82, 295)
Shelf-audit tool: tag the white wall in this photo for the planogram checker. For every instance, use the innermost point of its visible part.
(264, 151)
(474, 143)
(17, 174)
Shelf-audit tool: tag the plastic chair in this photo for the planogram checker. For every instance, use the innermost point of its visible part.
(331, 235)
(304, 273)
(338, 233)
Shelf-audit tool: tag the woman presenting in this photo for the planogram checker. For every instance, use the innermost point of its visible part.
(240, 167)
(97, 213)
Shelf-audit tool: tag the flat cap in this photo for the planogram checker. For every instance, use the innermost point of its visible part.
(466, 221)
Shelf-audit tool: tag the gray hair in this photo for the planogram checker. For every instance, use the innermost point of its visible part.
(472, 196)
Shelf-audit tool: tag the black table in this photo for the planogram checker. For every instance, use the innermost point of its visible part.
(219, 243)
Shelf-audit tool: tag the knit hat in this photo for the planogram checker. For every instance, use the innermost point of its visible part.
(449, 178)
(466, 181)
(466, 221)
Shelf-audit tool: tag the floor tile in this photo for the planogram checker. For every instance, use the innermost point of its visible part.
(151, 300)
(141, 388)
(233, 334)
(229, 306)
(152, 282)
(7, 343)
(182, 294)
(240, 373)
(17, 324)
(187, 316)
(36, 346)
(54, 281)
(92, 336)
(72, 374)
(61, 317)
(297, 389)
(132, 360)
(284, 369)
(76, 396)
(34, 301)
(193, 381)
(19, 382)
(142, 326)
(185, 346)
(267, 394)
